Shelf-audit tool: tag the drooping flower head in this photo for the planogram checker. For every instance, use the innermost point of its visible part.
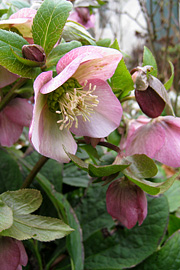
(22, 20)
(158, 138)
(77, 100)
(12, 254)
(126, 202)
(81, 15)
(16, 115)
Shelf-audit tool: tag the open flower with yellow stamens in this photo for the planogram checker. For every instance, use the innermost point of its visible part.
(78, 100)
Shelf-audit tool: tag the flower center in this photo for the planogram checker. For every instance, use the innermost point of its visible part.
(70, 101)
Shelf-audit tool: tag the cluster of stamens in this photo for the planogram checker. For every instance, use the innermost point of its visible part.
(76, 102)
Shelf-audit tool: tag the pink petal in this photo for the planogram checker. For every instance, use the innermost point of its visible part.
(169, 154)
(106, 116)
(9, 254)
(19, 111)
(45, 135)
(88, 51)
(147, 139)
(10, 131)
(23, 255)
(24, 13)
(66, 73)
(6, 77)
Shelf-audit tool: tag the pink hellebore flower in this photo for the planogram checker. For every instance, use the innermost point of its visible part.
(6, 77)
(22, 20)
(82, 16)
(12, 254)
(77, 100)
(158, 139)
(126, 202)
(16, 115)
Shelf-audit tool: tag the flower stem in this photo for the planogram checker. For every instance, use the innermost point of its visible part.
(106, 144)
(127, 98)
(11, 94)
(34, 171)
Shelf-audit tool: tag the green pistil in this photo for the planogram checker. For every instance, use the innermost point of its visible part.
(54, 97)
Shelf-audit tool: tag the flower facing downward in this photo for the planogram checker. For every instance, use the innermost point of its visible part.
(126, 202)
(16, 115)
(81, 15)
(12, 254)
(158, 138)
(77, 100)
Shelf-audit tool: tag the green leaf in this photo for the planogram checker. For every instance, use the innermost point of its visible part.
(169, 83)
(121, 81)
(20, 4)
(49, 22)
(126, 248)
(6, 216)
(92, 212)
(149, 60)
(79, 162)
(165, 258)
(141, 166)
(151, 187)
(73, 176)
(10, 175)
(173, 196)
(60, 50)
(10, 41)
(174, 224)
(106, 170)
(23, 201)
(104, 42)
(38, 227)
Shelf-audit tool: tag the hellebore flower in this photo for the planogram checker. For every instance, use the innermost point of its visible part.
(158, 139)
(16, 115)
(77, 100)
(12, 254)
(82, 16)
(6, 77)
(22, 20)
(126, 202)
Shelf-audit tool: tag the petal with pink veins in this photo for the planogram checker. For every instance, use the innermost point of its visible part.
(106, 115)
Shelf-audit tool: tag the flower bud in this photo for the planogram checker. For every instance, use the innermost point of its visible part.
(150, 102)
(34, 52)
(126, 202)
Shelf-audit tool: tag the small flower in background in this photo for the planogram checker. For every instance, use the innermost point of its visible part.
(158, 138)
(6, 77)
(22, 20)
(77, 100)
(82, 16)
(126, 202)
(16, 115)
(12, 254)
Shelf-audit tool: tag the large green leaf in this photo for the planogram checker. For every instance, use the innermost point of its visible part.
(23, 201)
(173, 196)
(126, 248)
(6, 216)
(10, 175)
(165, 258)
(9, 42)
(49, 22)
(92, 211)
(38, 227)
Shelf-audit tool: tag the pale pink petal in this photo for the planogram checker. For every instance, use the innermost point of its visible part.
(9, 131)
(68, 71)
(52, 139)
(6, 77)
(19, 111)
(147, 139)
(169, 154)
(24, 13)
(89, 51)
(107, 114)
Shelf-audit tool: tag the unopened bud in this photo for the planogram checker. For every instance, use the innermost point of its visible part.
(34, 52)
(150, 102)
